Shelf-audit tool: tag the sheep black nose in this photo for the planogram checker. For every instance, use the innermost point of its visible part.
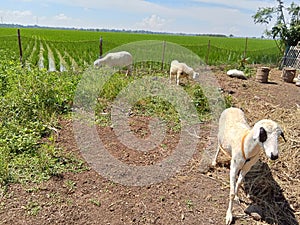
(274, 157)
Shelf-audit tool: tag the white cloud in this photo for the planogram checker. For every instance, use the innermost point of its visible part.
(154, 22)
(129, 6)
(238, 4)
(16, 16)
(62, 16)
(19, 14)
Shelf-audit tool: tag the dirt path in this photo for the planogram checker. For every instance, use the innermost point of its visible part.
(190, 197)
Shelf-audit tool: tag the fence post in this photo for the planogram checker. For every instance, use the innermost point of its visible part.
(100, 47)
(20, 47)
(245, 51)
(208, 50)
(163, 55)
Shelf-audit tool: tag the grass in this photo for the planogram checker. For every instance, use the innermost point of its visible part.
(70, 185)
(162, 105)
(32, 208)
(95, 202)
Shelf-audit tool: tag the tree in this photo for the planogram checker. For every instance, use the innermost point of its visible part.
(286, 28)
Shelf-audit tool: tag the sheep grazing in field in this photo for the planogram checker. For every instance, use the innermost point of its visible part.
(243, 144)
(181, 70)
(116, 59)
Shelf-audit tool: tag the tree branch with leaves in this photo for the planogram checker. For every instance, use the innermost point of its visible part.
(286, 20)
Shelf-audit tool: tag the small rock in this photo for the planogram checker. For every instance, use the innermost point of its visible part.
(254, 211)
(182, 216)
(295, 206)
(256, 97)
(204, 165)
(255, 216)
(208, 198)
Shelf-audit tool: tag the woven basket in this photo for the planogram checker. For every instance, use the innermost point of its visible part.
(288, 74)
(262, 74)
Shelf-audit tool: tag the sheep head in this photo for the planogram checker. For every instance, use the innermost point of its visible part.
(266, 133)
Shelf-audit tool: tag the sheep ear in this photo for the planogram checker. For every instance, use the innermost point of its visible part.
(260, 134)
(282, 135)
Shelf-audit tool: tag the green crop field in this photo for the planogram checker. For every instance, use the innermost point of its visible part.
(59, 50)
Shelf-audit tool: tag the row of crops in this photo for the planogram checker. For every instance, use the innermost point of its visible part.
(58, 50)
(54, 56)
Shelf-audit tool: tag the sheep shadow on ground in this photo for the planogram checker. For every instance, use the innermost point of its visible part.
(267, 196)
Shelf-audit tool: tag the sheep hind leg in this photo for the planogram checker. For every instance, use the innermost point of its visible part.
(214, 162)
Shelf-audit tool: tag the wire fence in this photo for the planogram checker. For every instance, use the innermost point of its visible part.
(78, 54)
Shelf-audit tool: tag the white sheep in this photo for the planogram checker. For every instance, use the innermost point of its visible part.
(116, 59)
(181, 70)
(243, 144)
(236, 73)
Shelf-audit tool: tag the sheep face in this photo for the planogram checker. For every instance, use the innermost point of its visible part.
(266, 132)
(98, 63)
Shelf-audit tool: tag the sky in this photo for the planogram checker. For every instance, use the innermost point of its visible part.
(229, 17)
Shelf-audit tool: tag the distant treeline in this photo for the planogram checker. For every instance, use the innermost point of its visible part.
(107, 30)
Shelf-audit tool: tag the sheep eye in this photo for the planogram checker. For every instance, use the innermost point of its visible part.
(262, 135)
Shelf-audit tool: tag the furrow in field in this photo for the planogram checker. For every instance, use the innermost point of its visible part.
(51, 60)
(32, 53)
(62, 63)
(41, 57)
(73, 65)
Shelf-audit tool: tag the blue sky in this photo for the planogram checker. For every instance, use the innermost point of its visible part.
(189, 16)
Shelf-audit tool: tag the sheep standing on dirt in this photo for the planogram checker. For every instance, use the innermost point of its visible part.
(116, 59)
(242, 143)
(181, 70)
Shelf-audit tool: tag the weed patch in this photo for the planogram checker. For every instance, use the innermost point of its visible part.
(31, 101)
(152, 105)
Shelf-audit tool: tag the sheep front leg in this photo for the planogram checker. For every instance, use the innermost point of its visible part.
(247, 166)
(233, 173)
(237, 186)
(129, 70)
(178, 77)
(171, 76)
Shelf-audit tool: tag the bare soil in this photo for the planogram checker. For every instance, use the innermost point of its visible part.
(197, 194)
